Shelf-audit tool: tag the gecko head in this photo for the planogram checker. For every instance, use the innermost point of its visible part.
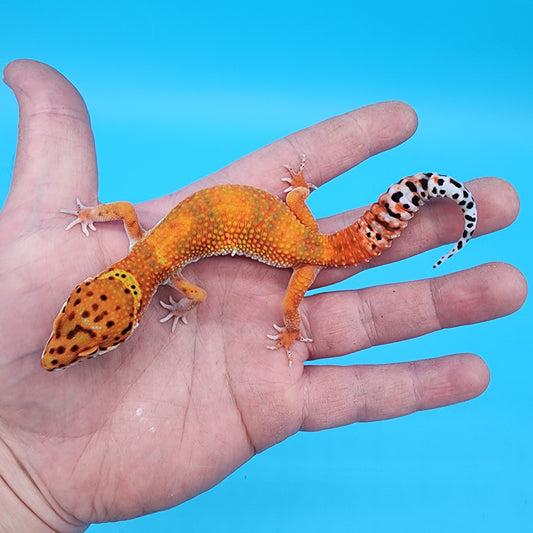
(100, 313)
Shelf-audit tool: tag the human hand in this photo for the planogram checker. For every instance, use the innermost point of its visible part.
(167, 416)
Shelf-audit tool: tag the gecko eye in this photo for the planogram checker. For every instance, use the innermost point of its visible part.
(97, 317)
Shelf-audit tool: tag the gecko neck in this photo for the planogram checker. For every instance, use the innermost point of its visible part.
(143, 265)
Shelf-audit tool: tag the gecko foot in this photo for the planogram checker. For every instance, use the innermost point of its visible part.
(285, 339)
(176, 310)
(297, 179)
(85, 221)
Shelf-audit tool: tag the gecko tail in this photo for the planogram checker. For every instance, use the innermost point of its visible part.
(384, 220)
(404, 198)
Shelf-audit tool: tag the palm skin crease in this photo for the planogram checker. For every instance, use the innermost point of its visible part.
(167, 416)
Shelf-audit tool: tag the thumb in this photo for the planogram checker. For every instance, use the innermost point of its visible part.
(55, 159)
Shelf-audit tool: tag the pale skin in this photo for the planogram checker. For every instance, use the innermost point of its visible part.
(167, 416)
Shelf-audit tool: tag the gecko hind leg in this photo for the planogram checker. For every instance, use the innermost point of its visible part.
(300, 281)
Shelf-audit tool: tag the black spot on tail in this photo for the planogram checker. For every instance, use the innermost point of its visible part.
(392, 214)
(411, 186)
(396, 196)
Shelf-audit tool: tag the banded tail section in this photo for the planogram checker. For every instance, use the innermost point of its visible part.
(375, 230)
(405, 198)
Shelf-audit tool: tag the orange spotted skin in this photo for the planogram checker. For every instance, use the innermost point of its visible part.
(237, 218)
(229, 219)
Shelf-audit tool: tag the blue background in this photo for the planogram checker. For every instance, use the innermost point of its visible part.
(176, 92)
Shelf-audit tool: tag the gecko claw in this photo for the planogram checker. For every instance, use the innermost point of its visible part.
(300, 168)
(77, 212)
(277, 346)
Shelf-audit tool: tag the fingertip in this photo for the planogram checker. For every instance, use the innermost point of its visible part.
(450, 379)
(8, 70)
(472, 375)
(509, 286)
(498, 203)
(39, 87)
(11, 70)
(478, 294)
(385, 124)
(405, 114)
(19, 68)
(509, 196)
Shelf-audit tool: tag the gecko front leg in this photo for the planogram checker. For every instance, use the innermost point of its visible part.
(86, 217)
(297, 193)
(192, 297)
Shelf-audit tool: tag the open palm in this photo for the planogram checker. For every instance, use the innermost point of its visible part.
(166, 416)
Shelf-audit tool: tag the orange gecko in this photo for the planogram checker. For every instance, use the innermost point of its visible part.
(103, 311)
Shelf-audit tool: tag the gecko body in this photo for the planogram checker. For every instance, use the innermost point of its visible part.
(104, 310)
